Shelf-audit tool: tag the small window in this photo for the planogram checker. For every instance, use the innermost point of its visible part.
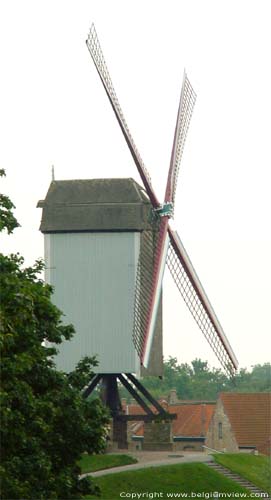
(220, 430)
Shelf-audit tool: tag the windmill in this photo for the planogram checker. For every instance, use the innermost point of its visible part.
(107, 242)
(169, 248)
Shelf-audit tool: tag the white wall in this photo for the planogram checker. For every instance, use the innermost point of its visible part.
(94, 278)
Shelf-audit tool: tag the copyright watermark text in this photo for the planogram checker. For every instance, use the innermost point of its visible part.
(151, 495)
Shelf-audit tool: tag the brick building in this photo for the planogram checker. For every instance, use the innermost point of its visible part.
(241, 422)
(186, 432)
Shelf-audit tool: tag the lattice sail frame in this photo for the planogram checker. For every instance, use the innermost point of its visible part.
(144, 281)
(96, 53)
(148, 289)
(194, 296)
(187, 103)
(185, 110)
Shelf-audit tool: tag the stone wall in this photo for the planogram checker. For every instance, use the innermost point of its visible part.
(158, 436)
(220, 435)
(188, 445)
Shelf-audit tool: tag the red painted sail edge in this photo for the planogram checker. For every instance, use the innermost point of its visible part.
(159, 267)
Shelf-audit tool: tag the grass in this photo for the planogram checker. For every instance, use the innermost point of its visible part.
(91, 463)
(254, 468)
(159, 482)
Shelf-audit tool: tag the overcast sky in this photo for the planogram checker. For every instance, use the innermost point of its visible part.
(53, 111)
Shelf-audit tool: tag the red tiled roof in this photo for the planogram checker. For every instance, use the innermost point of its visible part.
(249, 415)
(136, 410)
(192, 419)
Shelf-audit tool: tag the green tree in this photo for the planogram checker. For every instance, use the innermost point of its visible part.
(179, 377)
(257, 380)
(199, 381)
(206, 382)
(46, 425)
(261, 377)
(7, 219)
(195, 381)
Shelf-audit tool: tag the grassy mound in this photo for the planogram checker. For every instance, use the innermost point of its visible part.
(92, 463)
(253, 468)
(165, 481)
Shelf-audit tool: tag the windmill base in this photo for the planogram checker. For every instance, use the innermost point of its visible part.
(111, 398)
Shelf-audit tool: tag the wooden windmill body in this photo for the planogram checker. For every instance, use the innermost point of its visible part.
(94, 231)
(106, 246)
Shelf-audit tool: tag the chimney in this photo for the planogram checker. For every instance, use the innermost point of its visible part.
(173, 397)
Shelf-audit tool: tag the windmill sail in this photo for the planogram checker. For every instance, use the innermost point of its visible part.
(185, 110)
(198, 303)
(155, 245)
(150, 273)
(96, 53)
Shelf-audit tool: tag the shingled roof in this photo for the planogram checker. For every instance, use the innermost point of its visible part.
(249, 416)
(94, 205)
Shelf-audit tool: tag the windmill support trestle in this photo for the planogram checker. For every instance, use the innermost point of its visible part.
(153, 411)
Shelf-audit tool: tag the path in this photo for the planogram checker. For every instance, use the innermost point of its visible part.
(154, 459)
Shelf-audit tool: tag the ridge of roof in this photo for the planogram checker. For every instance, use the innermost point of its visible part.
(91, 191)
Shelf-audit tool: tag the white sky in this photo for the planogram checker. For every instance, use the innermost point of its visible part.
(53, 110)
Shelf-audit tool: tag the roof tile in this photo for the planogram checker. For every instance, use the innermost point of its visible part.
(192, 419)
(249, 415)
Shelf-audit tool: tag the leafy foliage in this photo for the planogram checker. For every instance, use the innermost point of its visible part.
(7, 219)
(46, 425)
(199, 381)
(195, 381)
(257, 380)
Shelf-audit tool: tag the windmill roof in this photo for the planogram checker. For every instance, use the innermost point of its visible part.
(94, 205)
(249, 415)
